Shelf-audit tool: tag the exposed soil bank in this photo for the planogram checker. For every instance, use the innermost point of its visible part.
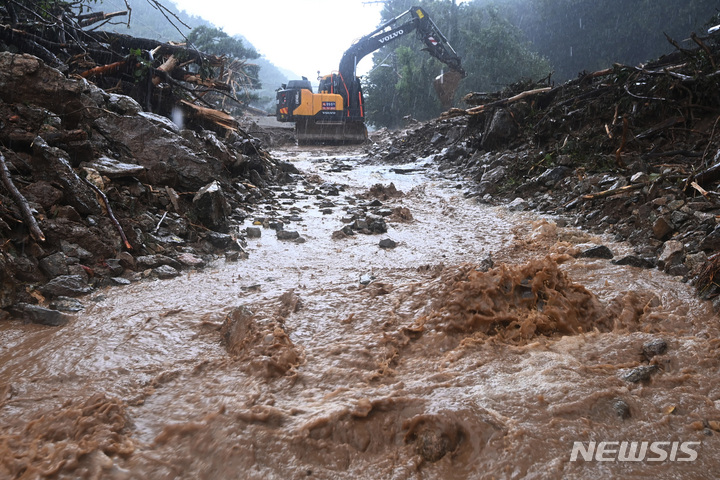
(119, 194)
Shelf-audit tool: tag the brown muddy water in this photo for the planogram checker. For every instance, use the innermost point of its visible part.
(286, 366)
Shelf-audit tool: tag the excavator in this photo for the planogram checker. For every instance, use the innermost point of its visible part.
(335, 114)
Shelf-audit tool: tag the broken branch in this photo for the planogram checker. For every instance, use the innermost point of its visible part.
(105, 201)
(614, 191)
(90, 18)
(167, 67)
(618, 153)
(702, 45)
(104, 69)
(20, 201)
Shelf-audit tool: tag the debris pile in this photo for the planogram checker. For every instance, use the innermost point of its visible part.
(98, 191)
(165, 78)
(633, 152)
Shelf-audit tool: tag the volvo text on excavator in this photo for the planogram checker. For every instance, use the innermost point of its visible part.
(335, 114)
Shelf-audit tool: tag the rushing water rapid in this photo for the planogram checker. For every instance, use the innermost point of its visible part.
(434, 366)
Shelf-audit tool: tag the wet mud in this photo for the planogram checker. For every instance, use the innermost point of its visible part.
(480, 346)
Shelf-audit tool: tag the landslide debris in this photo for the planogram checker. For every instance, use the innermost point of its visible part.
(516, 303)
(632, 152)
(118, 193)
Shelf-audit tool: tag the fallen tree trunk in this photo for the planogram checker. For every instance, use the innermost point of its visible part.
(205, 82)
(21, 202)
(167, 67)
(216, 117)
(505, 101)
(708, 175)
(52, 138)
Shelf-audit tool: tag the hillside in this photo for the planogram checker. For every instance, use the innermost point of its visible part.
(149, 22)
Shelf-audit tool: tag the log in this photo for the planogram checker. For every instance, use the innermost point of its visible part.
(31, 44)
(708, 175)
(167, 67)
(478, 98)
(21, 202)
(217, 117)
(205, 82)
(90, 18)
(127, 42)
(52, 138)
(672, 121)
(623, 142)
(505, 101)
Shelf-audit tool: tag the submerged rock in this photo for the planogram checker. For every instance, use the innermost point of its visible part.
(621, 408)
(639, 374)
(253, 232)
(654, 347)
(287, 235)
(599, 251)
(40, 315)
(636, 261)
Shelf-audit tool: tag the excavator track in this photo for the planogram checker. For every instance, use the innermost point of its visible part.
(310, 131)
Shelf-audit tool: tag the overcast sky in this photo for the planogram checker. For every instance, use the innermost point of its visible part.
(303, 36)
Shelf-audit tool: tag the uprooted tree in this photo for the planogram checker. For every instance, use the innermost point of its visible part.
(160, 76)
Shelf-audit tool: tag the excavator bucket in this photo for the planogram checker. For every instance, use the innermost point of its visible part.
(308, 131)
(446, 84)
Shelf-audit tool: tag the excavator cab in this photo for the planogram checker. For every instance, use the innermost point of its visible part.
(289, 97)
(331, 115)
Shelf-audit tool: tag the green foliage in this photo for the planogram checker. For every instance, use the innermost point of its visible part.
(148, 22)
(141, 71)
(214, 41)
(587, 35)
(493, 51)
(491, 48)
(242, 76)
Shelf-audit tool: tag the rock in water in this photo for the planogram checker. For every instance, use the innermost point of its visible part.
(387, 243)
(287, 235)
(639, 374)
(600, 251)
(40, 315)
(654, 347)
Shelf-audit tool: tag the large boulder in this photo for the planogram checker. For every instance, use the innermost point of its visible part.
(501, 129)
(211, 208)
(50, 165)
(26, 79)
(168, 158)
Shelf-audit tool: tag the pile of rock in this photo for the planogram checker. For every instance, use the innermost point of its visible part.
(119, 193)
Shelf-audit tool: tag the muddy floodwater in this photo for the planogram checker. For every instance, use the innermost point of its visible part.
(478, 347)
